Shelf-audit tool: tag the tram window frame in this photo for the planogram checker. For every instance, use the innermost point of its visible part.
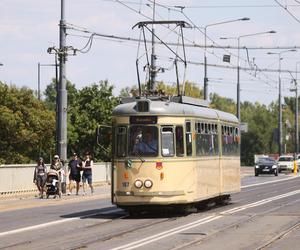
(206, 140)
(167, 151)
(179, 140)
(121, 131)
(188, 138)
(137, 142)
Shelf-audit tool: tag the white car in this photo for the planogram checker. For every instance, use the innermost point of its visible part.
(285, 162)
(298, 161)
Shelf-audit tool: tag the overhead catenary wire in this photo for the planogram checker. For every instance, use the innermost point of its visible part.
(287, 10)
(187, 45)
(204, 6)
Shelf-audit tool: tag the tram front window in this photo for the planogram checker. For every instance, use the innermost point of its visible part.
(143, 141)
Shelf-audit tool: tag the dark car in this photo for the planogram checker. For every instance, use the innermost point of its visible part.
(266, 166)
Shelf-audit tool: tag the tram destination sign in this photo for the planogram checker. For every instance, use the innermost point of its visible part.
(143, 119)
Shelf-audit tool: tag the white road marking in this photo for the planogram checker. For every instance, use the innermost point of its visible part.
(24, 229)
(48, 224)
(268, 182)
(168, 233)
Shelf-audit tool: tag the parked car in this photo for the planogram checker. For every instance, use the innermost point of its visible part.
(266, 165)
(285, 162)
(298, 161)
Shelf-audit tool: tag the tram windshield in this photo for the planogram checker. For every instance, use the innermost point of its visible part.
(143, 141)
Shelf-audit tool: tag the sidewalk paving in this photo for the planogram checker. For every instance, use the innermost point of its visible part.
(32, 200)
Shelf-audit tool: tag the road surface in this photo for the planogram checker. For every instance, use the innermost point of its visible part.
(264, 215)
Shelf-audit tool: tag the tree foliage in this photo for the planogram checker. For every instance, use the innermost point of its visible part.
(26, 126)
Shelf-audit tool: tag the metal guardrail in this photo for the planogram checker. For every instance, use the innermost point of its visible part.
(19, 178)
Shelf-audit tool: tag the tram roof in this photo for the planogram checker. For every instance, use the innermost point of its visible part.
(170, 108)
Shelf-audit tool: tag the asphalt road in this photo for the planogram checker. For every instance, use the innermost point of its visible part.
(264, 215)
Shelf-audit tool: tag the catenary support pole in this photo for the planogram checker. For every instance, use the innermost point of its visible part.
(62, 91)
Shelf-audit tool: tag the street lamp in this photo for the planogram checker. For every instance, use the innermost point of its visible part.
(39, 76)
(205, 57)
(238, 105)
(279, 97)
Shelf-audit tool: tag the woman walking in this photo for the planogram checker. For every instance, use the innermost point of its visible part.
(39, 176)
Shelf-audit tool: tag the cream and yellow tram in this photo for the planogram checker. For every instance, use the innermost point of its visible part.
(173, 152)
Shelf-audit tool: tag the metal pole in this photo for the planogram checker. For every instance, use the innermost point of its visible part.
(56, 106)
(296, 115)
(153, 57)
(205, 66)
(280, 109)
(238, 114)
(62, 91)
(39, 81)
(296, 120)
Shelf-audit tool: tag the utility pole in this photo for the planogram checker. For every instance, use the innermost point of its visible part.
(296, 120)
(39, 81)
(62, 90)
(280, 110)
(153, 56)
(296, 113)
(279, 98)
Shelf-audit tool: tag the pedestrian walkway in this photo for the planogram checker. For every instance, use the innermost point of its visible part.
(9, 203)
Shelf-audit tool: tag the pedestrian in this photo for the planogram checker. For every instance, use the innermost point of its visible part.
(56, 165)
(87, 166)
(39, 176)
(74, 168)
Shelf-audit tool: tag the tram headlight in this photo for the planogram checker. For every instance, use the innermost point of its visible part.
(148, 183)
(138, 183)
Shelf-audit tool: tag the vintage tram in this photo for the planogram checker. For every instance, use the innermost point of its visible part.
(172, 152)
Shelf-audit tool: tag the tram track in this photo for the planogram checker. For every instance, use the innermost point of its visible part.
(280, 236)
(84, 238)
(122, 233)
(205, 237)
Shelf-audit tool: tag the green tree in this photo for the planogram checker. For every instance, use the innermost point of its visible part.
(93, 106)
(26, 126)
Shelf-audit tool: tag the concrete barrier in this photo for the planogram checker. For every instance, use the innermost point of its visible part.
(19, 178)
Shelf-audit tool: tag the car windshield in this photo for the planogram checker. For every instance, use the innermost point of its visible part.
(266, 160)
(286, 158)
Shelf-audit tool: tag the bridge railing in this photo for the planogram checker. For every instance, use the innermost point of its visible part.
(19, 178)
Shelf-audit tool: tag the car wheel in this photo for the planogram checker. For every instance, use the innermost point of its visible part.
(256, 173)
(276, 173)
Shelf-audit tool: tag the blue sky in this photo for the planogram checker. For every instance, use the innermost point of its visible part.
(28, 28)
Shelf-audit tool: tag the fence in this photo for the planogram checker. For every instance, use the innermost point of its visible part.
(19, 178)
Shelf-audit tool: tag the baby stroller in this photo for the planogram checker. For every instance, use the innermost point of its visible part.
(53, 184)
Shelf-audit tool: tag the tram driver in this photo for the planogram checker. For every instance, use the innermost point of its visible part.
(145, 144)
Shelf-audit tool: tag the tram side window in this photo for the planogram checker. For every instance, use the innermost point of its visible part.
(206, 139)
(230, 140)
(167, 141)
(179, 141)
(236, 141)
(188, 136)
(121, 141)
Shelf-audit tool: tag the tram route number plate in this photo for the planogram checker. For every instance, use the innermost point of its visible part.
(125, 184)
